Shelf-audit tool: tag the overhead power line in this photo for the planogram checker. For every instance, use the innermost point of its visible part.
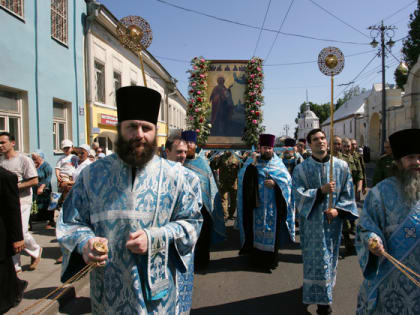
(355, 78)
(398, 61)
(314, 61)
(261, 29)
(281, 26)
(270, 65)
(257, 28)
(368, 76)
(336, 17)
(398, 11)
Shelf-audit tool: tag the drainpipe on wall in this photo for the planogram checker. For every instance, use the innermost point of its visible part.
(38, 137)
(171, 87)
(92, 13)
(76, 73)
(167, 100)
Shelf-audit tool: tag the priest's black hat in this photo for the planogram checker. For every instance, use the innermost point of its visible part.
(138, 103)
(267, 140)
(189, 135)
(405, 142)
(289, 142)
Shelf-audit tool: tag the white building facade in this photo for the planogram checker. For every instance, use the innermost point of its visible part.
(109, 66)
(346, 118)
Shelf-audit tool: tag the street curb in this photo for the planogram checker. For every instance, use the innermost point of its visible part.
(67, 296)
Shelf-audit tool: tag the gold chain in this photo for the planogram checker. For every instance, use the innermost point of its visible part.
(84, 271)
(373, 243)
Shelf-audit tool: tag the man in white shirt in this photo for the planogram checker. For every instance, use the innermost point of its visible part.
(25, 170)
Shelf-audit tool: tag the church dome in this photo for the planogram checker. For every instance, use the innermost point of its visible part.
(310, 114)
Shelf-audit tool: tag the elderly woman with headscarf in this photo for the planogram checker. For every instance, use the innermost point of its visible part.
(42, 191)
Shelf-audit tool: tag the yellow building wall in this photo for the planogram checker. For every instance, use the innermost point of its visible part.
(96, 122)
(162, 133)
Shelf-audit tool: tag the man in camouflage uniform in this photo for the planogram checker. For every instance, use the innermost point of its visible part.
(337, 147)
(228, 165)
(358, 157)
(385, 165)
(357, 176)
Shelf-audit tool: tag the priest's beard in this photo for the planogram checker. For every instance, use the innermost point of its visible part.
(126, 150)
(190, 153)
(266, 156)
(410, 185)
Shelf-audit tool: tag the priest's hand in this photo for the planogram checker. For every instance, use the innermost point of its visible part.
(269, 183)
(18, 246)
(137, 242)
(92, 256)
(328, 188)
(375, 246)
(331, 214)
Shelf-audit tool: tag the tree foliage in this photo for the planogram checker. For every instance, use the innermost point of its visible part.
(411, 47)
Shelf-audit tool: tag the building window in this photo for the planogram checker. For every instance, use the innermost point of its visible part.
(162, 111)
(99, 82)
(174, 122)
(59, 20)
(117, 84)
(60, 124)
(344, 129)
(105, 143)
(14, 6)
(11, 116)
(350, 125)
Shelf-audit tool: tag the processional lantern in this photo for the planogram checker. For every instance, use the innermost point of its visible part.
(135, 33)
(331, 63)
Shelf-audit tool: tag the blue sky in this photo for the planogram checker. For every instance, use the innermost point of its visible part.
(181, 35)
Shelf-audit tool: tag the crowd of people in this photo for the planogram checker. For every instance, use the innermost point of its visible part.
(33, 177)
(157, 218)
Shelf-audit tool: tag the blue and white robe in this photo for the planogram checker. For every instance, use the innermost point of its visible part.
(210, 195)
(320, 241)
(386, 215)
(265, 215)
(164, 201)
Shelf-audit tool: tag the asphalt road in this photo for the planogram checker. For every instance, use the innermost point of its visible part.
(230, 286)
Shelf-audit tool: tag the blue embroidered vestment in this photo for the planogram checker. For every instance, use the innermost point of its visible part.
(210, 195)
(265, 215)
(164, 200)
(386, 215)
(320, 241)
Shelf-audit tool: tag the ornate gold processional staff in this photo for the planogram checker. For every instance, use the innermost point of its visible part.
(331, 63)
(135, 33)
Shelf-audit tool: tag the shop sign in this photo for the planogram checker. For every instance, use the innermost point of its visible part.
(108, 120)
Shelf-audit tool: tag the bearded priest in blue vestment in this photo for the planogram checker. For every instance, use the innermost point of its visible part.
(390, 221)
(266, 217)
(144, 208)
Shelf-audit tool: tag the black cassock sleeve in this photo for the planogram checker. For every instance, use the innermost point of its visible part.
(10, 217)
